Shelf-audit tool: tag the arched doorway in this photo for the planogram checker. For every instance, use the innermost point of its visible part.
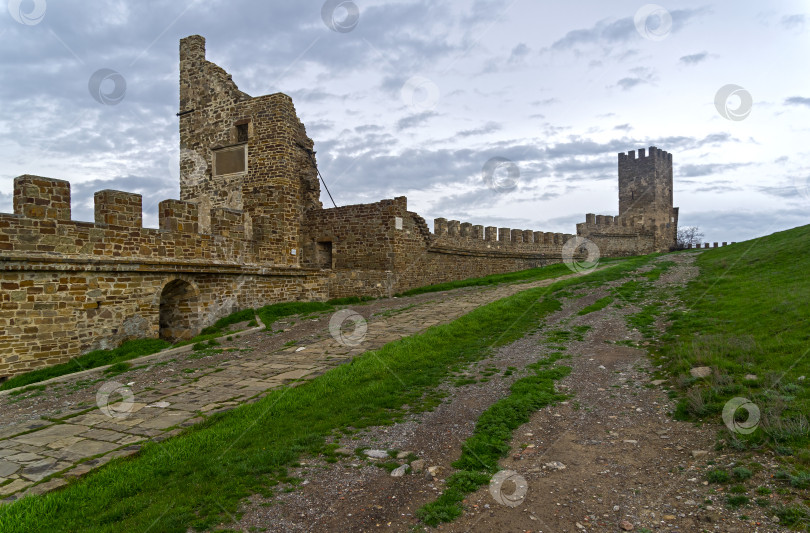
(179, 308)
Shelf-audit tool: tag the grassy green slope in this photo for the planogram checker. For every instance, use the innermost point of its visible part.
(748, 319)
(748, 314)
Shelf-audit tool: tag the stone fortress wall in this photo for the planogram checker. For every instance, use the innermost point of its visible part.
(250, 230)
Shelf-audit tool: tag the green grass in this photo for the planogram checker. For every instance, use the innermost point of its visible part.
(644, 320)
(748, 314)
(198, 478)
(221, 325)
(718, 475)
(350, 300)
(270, 313)
(532, 274)
(490, 439)
(598, 305)
(128, 350)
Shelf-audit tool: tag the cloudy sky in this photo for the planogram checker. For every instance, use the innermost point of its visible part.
(416, 97)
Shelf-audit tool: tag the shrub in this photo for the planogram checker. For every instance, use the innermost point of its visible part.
(718, 475)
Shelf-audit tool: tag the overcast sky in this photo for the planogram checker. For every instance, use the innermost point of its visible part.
(415, 98)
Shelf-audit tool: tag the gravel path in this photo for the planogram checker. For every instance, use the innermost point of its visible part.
(608, 459)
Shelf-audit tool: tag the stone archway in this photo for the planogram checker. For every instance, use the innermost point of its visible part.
(179, 311)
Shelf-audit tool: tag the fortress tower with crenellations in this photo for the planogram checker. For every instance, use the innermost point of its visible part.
(647, 220)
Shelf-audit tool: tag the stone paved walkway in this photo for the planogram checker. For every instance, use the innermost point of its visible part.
(41, 455)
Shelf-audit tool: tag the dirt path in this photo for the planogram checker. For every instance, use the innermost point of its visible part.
(609, 459)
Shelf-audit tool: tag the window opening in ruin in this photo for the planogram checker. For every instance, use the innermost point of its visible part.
(324, 251)
(178, 311)
(231, 160)
(241, 133)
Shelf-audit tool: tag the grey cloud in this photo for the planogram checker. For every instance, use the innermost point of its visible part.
(489, 127)
(518, 53)
(717, 188)
(629, 83)
(621, 30)
(786, 191)
(412, 121)
(694, 59)
(794, 21)
(368, 127)
(797, 100)
(707, 169)
(641, 75)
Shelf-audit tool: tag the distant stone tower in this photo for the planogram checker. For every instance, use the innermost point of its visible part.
(645, 190)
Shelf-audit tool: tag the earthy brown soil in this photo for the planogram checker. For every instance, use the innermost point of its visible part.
(610, 456)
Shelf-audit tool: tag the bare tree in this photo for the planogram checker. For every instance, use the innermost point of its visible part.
(688, 235)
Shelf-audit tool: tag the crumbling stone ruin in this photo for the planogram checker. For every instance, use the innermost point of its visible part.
(249, 229)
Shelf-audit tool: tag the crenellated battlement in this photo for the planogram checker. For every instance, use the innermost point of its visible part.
(465, 235)
(653, 153)
(41, 198)
(117, 208)
(42, 226)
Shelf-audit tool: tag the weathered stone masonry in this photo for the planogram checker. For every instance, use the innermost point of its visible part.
(250, 230)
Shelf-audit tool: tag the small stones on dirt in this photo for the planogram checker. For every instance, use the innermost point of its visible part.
(625, 525)
(555, 465)
(751, 377)
(418, 465)
(701, 372)
(697, 454)
(343, 451)
(403, 455)
(658, 382)
(159, 405)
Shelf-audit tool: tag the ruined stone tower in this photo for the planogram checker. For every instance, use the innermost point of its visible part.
(245, 154)
(645, 190)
